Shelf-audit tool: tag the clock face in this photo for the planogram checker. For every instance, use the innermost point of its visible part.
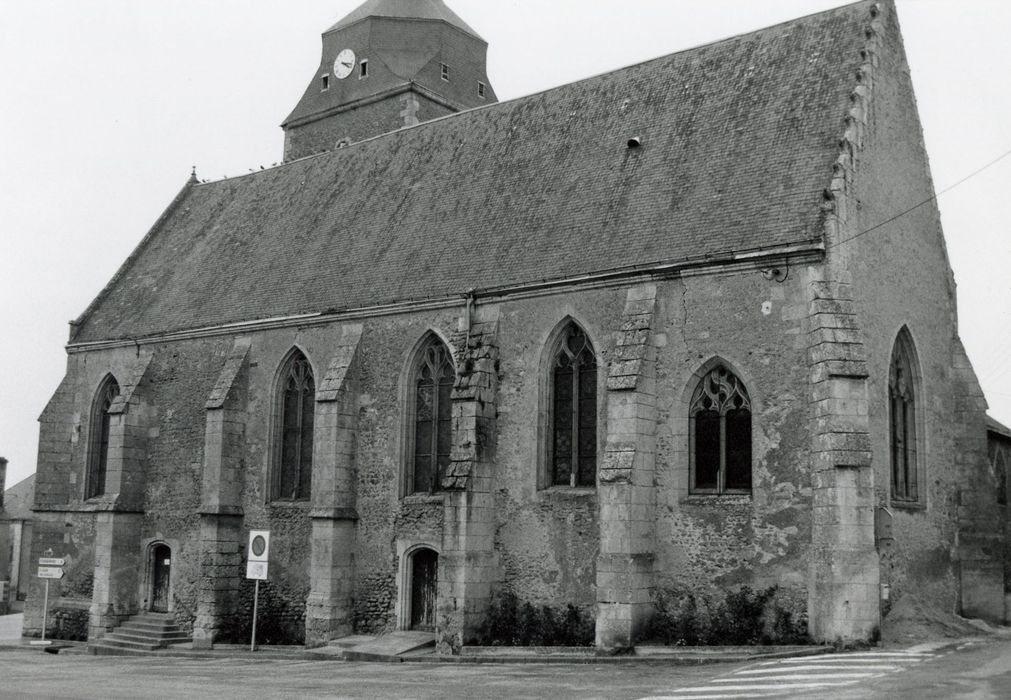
(344, 64)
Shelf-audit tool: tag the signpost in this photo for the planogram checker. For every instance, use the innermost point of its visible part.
(256, 569)
(50, 567)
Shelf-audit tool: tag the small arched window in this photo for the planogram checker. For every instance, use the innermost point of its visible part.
(1000, 471)
(720, 434)
(432, 413)
(902, 404)
(101, 422)
(297, 405)
(573, 411)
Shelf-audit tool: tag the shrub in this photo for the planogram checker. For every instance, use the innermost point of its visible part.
(511, 623)
(741, 617)
(70, 624)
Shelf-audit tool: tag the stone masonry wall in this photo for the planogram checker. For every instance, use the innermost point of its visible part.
(365, 122)
(901, 277)
(546, 540)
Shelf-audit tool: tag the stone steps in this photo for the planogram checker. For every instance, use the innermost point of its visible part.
(140, 635)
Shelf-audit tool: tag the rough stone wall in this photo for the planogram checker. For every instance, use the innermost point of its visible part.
(546, 540)
(755, 327)
(901, 277)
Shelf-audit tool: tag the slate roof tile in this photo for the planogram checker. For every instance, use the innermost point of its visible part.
(738, 142)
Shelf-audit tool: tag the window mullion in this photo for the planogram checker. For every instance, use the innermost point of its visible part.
(433, 478)
(574, 473)
(721, 475)
(297, 467)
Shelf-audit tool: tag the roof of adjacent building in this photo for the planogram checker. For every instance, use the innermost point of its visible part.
(18, 500)
(998, 428)
(411, 9)
(738, 142)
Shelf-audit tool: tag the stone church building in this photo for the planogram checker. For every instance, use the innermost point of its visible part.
(645, 331)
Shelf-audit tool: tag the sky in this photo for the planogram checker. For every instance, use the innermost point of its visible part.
(105, 106)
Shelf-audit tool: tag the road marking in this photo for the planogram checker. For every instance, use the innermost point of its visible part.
(789, 676)
(822, 667)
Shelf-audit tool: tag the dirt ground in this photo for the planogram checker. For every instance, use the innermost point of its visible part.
(912, 622)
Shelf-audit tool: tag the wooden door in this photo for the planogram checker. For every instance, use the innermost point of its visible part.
(161, 569)
(424, 586)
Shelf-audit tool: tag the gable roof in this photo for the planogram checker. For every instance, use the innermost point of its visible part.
(410, 9)
(998, 428)
(19, 499)
(738, 142)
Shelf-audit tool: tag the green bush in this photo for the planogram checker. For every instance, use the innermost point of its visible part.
(512, 623)
(70, 624)
(741, 617)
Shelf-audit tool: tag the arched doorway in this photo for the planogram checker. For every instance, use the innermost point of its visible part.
(424, 588)
(161, 577)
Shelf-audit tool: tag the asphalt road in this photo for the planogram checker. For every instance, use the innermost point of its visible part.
(977, 671)
(25, 673)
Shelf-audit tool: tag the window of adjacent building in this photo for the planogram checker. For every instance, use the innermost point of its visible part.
(325, 83)
(445, 72)
(432, 441)
(902, 410)
(480, 89)
(296, 413)
(1000, 471)
(363, 69)
(572, 458)
(720, 434)
(101, 422)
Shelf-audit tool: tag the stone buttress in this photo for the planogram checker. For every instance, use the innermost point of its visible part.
(466, 565)
(328, 611)
(119, 512)
(626, 492)
(843, 592)
(221, 497)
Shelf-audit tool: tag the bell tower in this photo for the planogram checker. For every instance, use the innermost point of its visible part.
(388, 65)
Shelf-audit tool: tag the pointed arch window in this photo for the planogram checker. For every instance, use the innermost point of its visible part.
(296, 405)
(432, 423)
(903, 418)
(101, 426)
(720, 434)
(1000, 471)
(573, 411)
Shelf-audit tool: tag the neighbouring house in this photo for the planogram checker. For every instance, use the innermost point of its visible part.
(15, 540)
(662, 328)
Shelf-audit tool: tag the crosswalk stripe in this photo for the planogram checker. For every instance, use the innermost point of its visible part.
(722, 696)
(796, 676)
(779, 686)
(774, 677)
(819, 667)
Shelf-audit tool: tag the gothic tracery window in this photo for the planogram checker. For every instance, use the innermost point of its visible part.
(573, 407)
(293, 476)
(101, 422)
(902, 403)
(433, 435)
(720, 434)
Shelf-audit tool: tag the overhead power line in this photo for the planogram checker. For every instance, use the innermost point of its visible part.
(926, 201)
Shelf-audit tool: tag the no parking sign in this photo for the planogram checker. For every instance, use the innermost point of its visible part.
(258, 555)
